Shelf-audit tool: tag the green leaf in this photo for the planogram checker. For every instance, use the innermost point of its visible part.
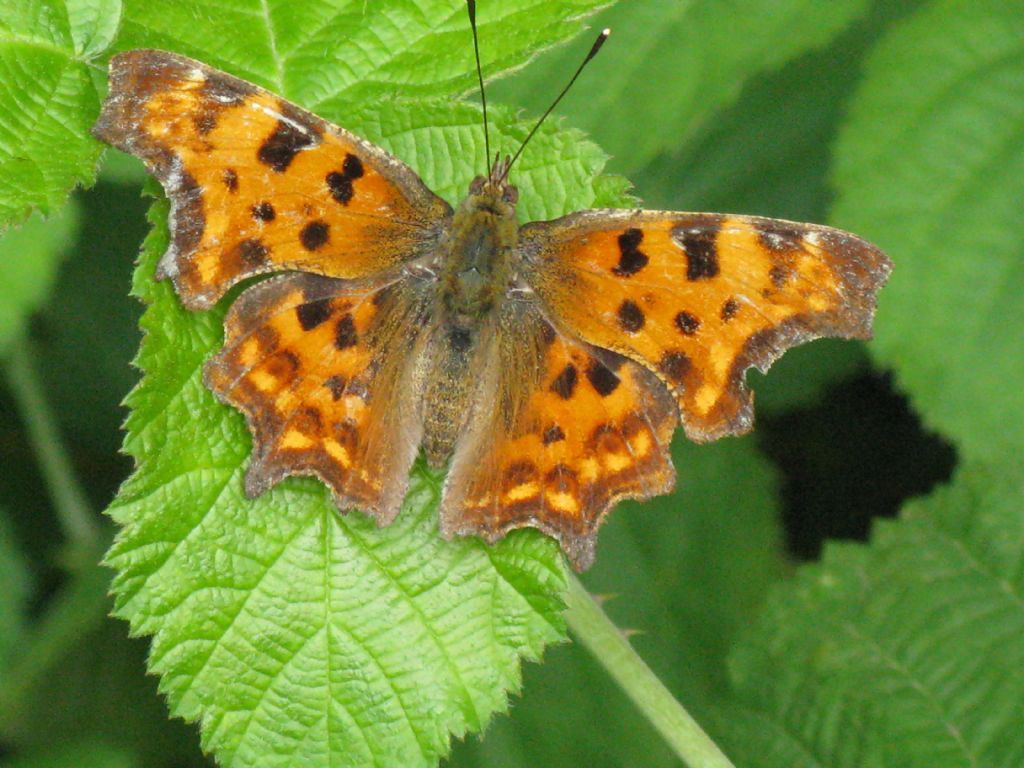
(770, 151)
(931, 167)
(329, 54)
(91, 23)
(685, 572)
(30, 256)
(48, 100)
(669, 67)
(296, 635)
(803, 376)
(121, 168)
(14, 592)
(909, 651)
(695, 564)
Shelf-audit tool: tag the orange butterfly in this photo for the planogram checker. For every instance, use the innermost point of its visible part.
(547, 365)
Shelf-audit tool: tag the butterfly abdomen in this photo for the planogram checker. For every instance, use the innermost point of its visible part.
(448, 389)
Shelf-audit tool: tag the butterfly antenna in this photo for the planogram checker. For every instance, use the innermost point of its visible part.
(471, 7)
(593, 52)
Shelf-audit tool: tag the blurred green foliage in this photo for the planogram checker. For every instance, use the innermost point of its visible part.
(899, 119)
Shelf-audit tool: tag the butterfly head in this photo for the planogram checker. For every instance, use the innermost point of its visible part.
(493, 192)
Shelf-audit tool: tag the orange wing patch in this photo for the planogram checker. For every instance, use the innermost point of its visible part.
(585, 430)
(317, 367)
(700, 298)
(247, 195)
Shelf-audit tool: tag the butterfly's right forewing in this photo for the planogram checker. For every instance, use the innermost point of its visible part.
(700, 298)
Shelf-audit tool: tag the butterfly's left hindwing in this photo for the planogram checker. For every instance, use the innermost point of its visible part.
(322, 370)
(700, 298)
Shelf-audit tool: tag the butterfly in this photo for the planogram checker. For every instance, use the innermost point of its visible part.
(546, 365)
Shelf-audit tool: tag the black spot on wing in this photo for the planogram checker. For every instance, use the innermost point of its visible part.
(631, 317)
(701, 252)
(565, 382)
(552, 434)
(601, 378)
(314, 235)
(313, 313)
(345, 335)
(230, 178)
(341, 187)
(674, 365)
(352, 167)
(631, 258)
(284, 144)
(729, 309)
(687, 323)
(263, 212)
(340, 182)
(205, 121)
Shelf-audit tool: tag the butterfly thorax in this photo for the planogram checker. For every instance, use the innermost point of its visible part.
(474, 277)
(476, 261)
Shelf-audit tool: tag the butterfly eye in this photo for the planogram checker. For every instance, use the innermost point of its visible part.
(510, 195)
(476, 186)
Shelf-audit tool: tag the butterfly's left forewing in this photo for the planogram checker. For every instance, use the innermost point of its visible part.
(700, 298)
(258, 184)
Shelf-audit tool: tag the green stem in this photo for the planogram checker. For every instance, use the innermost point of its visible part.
(78, 609)
(73, 509)
(83, 602)
(595, 630)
